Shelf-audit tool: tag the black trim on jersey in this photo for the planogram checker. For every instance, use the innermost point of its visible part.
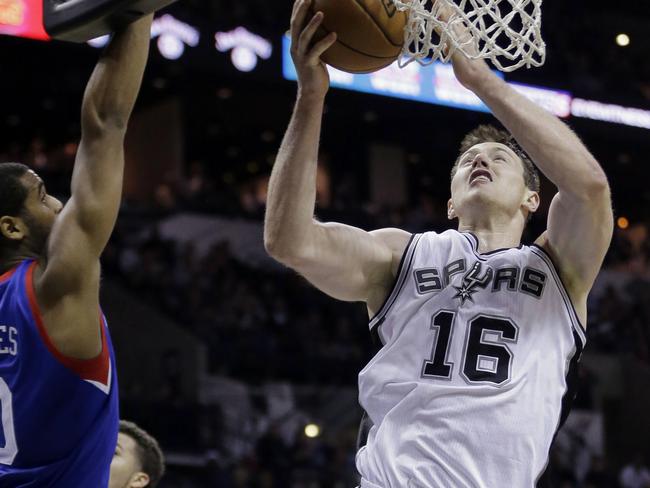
(400, 279)
(475, 245)
(375, 337)
(563, 289)
(571, 381)
(544, 481)
(473, 240)
(364, 430)
(502, 249)
(362, 439)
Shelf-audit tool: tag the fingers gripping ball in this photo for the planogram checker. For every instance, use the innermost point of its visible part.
(370, 33)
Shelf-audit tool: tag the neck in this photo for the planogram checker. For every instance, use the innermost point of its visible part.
(494, 234)
(12, 260)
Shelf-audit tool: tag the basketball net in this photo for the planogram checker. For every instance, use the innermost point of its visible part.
(507, 32)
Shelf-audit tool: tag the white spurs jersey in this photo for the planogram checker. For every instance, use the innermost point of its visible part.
(477, 369)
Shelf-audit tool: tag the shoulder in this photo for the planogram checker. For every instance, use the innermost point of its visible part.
(70, 315)
(397, 241)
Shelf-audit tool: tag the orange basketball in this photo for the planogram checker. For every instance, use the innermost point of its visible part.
(370, 33)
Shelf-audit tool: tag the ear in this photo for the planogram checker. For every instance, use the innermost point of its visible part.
(13, 228)
(531, 204)
(451, 212)
(139, 480)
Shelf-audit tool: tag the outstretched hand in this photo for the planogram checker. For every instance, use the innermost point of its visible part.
(470, 72)
(313, 78)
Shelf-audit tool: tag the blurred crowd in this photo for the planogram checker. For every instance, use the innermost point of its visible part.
(635, 474)
(257, 324)
(620, 306)
(306, 463)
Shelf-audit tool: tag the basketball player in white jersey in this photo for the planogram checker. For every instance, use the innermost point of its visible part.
(481, 335)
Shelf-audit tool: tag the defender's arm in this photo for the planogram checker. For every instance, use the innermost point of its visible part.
(67, 283)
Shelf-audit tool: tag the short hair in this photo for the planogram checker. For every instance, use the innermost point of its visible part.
(149, 453)
(13, 192)
(489, 133)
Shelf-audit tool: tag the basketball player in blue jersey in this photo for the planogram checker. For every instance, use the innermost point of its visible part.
(58, 383)
(481, 334)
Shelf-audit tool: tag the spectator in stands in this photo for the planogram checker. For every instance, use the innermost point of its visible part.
(635, 474)
(138, 461)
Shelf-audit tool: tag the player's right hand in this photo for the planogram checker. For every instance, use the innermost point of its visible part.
(313, 78)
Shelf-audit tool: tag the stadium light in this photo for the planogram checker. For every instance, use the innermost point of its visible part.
(173, 35)
(623, 223)
(246, 48)
(623, 40)
(312, 431)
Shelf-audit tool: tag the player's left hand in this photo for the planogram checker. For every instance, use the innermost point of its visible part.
(470, 72)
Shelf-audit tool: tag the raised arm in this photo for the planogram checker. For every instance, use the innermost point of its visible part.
(344, 262)
(67, 281)
(580, 222)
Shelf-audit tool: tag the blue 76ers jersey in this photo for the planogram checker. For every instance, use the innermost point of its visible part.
(59, 415)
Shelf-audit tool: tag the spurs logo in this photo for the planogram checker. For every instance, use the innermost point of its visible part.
(389, 7)
(473, 282)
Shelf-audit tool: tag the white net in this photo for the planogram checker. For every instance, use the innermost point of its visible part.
(507, 32)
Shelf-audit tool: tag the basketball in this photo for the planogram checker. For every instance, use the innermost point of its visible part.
(370, 33)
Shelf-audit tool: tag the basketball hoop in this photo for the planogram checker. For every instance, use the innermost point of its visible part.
(507, 32)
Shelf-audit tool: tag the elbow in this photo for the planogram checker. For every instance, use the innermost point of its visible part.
(597, 184)
(284, 241)
(592, 185)
(274, 246)
(288, 252)
(96, 121)
(278, 251)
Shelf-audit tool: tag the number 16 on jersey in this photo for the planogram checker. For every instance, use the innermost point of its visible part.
(487, 359)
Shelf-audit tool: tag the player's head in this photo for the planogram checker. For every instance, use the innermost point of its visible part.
(138, 460)
(493, 175)
(27, 212)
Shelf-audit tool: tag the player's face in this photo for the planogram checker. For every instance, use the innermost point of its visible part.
(41, 210)
(489, 176)
(125, 467)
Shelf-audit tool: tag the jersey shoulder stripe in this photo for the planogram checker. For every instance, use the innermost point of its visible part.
(8, 274)
(400, 279)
